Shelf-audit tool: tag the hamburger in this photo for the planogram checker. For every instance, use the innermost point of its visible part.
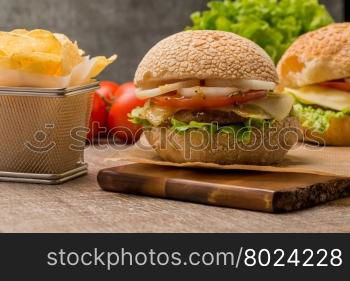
(316, 70)
(210, 99)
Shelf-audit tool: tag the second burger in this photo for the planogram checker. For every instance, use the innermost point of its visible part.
(316, 70)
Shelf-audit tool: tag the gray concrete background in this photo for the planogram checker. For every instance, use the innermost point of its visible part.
(104, 27)
(336, 7)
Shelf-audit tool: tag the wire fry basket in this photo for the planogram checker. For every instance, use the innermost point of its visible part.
(42, 133)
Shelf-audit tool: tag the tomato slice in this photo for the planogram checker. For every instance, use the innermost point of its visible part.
(344, 86)
(200, 102)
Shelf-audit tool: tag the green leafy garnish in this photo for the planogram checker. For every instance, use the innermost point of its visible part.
(316, 119)
(135, 117)
(272, 24)
(241, 131)
(182, 127)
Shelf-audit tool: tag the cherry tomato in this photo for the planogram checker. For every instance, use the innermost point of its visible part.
(118, 120)
(206, 102)
(343, 86)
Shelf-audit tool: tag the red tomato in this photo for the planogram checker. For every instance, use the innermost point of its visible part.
(102, 101)
(118, 120)
(343, 86)
(206, 102)
(112, 86)
(98, 119)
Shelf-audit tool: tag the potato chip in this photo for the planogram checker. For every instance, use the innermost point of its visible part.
(100, 64)
(45, 42)
(40, 54)
(12, 42)
(7, 63)
(37, 62)
(70, 54)
(20, 31)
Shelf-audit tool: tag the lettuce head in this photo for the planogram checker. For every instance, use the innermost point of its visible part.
(272, 24)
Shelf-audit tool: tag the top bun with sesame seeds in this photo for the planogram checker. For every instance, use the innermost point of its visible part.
(318, 56)
(204, 54)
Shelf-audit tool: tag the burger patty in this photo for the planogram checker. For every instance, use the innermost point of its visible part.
(209, 116)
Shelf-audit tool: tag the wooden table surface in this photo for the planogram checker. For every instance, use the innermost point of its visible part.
(80, 206)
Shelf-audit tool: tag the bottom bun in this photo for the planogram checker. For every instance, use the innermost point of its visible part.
(338, 133)
(267, 146)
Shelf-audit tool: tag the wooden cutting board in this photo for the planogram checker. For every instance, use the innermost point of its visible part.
(259, 191)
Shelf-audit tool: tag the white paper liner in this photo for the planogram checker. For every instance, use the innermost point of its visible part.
(79, 75)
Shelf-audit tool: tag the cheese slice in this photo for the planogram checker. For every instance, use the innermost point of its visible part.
(326, 97)
(277, 105)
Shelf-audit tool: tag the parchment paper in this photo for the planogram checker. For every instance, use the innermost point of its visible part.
(303, 158)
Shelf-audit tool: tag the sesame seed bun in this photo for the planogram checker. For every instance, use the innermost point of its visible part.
(203, 55)
(268, 147)
(317, 56)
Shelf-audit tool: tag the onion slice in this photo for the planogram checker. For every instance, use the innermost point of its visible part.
(241, 84)
(167, 88)
(208, 91)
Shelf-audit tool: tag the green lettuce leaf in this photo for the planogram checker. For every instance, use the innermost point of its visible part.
(241, 131)
(316, 119)
(135, 117)
(182, 127)
(272, 24)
